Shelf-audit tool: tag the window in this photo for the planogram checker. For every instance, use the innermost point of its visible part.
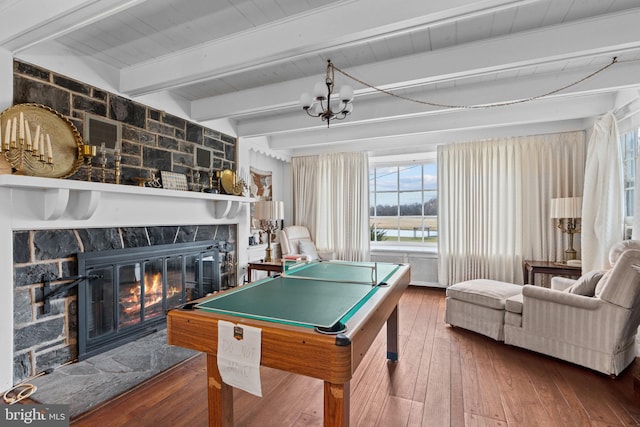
(403, 204)
(630, 147)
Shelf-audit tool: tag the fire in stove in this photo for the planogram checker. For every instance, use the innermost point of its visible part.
(134, 303)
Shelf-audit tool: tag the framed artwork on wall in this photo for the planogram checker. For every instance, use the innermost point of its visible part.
(261, 184)
(202, 158)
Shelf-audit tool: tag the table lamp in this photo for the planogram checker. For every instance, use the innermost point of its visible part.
(269, 213)
(567, 210)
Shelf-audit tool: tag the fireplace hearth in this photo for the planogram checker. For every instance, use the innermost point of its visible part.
(128, 291)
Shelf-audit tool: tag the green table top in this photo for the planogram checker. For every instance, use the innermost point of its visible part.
(321, 295)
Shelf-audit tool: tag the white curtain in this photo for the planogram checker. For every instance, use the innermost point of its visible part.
(494, 203)
(603, 203)
(331, 198)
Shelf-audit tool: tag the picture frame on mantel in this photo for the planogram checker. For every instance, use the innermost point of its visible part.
(174, 181)
(100, 130)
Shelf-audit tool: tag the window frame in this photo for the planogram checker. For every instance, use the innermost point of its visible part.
(424, 188)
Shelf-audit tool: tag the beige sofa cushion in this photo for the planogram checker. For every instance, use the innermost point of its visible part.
(484, 292)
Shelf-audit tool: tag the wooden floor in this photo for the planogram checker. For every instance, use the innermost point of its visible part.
(445, 376)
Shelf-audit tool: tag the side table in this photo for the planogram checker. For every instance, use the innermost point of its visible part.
(531, 268)
(269, 267)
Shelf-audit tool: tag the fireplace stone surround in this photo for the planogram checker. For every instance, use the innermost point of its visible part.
(45, 222)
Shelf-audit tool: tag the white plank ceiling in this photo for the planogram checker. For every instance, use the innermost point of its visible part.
(246, 62)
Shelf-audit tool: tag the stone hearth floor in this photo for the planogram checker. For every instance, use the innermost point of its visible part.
(87, 384)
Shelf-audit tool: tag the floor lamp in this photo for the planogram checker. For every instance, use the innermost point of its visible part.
(568, 211)
(270, 213)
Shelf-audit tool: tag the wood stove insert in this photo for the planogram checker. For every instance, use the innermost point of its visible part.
(127, 292)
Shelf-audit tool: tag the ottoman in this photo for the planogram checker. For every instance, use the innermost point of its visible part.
(479, 305)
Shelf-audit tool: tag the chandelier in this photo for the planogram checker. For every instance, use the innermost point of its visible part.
(320, 104)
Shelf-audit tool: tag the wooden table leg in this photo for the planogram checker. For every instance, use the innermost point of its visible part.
(336, 404)
(392, 335)
(220, 396)
(532, 277)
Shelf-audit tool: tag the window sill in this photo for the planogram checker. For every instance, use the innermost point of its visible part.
(397, 247)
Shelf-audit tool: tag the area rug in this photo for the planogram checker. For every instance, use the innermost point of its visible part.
(87, 384)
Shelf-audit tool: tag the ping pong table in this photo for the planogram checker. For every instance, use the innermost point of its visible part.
(317, 319)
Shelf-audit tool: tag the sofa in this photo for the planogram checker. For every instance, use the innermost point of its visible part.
(591, 321)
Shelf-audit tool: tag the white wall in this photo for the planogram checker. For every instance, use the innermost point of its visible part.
(6, 254)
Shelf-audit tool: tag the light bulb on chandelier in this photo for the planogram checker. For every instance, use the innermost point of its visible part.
(320, 104)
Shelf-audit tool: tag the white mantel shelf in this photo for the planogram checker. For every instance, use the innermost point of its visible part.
(37, 203)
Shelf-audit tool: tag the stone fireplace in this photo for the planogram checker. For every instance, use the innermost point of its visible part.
(50, 227)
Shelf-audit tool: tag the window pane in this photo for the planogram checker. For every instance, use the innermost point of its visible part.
(629, 172)
(430, 177)
(628, 201)
(386, 227)
(629, 145)
(411, 177)
(387, 204)
(411, 203)
(372, 203)
(387, 179)
(430, 203)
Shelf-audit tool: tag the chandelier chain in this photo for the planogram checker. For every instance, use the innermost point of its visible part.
(490, 105)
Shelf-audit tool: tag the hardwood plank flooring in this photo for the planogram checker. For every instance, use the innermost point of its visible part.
(445, 376)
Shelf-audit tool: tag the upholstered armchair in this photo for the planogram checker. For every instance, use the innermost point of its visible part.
(595, 328)
(296, 240)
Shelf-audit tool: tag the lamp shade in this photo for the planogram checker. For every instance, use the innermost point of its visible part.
(320, 91)
(566, 207)
(346, 93)
(306, 100)
(269, 210)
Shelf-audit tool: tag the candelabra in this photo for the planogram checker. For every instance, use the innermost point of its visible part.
(117, 158)
(89, 152)
(269, 213)
(195, 181)
(103, 162)
(211, 181)
(21, 151)
(219, 182)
